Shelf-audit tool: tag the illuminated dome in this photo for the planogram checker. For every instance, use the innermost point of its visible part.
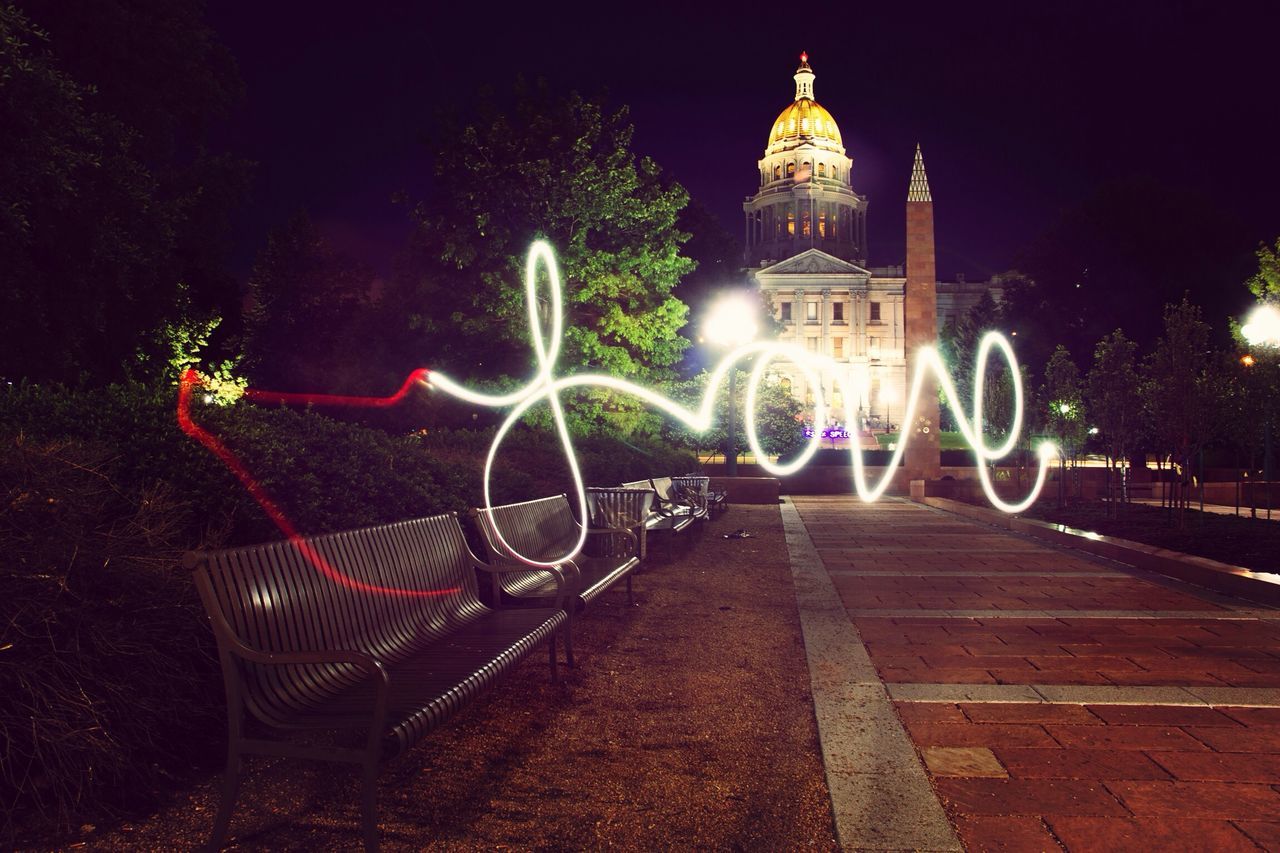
(804, 120)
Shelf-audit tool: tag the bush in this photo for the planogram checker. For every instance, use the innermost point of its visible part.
(108, 683)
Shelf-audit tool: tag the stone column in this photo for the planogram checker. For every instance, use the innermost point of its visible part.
(923, 460)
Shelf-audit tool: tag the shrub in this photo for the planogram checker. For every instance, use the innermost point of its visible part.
(108, 684)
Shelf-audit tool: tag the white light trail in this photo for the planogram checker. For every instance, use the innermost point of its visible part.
(544, 385)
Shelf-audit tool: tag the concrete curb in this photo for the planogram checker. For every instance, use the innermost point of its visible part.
(881, 797)
(1262, 587)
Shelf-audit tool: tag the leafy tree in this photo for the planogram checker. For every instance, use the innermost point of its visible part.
(559, 168)
(778, 417)
(1062, 406)
(103, 239)
(307, 326)
(1184, 387)
(1265, 283)
(958, 345)
(1111, 390)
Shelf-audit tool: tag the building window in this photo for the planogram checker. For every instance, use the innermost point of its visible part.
(822, 224)
(791, 169)
(813, 344)
(822, 170)
(811, 311)
(875, 312)
(786, 312)
(786, 384)
(837, 347)
(777, 172)
(806, 227)
(837, 312)
(791, 223)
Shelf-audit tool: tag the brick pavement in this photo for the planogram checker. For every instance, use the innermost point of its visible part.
(1132, 755)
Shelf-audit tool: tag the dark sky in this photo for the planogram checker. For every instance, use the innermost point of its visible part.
(1022, 109)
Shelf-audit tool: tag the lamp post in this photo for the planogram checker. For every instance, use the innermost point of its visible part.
(731, 323)
(1262, 329)
(888, 396)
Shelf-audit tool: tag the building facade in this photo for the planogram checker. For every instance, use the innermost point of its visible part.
(806, 248)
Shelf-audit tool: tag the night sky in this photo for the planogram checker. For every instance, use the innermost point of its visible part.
(1021, 109)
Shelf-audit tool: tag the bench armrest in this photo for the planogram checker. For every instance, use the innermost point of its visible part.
(506, 566)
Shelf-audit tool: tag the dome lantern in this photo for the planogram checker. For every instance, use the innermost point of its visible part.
(804, 78)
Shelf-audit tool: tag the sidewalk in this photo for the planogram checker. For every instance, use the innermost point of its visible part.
(1053, 699)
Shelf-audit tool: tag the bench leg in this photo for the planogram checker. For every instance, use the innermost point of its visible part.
(568, 639)
(369, 807)
(230, 790)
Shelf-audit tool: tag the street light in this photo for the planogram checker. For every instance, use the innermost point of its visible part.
(1262, 329)
(888, 396)
(732, 323)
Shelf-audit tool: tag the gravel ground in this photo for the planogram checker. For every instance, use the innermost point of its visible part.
(688, 722)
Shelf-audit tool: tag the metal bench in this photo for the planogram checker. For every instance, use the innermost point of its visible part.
(679, 501)
(714, 501)
(622, 507)
(664, 515)
(545, 530)
(378, 630)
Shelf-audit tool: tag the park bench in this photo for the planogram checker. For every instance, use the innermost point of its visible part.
(680, 499)
(545, 529)
(714, 501)
(665, 515)
(623, 507)
(378, 630)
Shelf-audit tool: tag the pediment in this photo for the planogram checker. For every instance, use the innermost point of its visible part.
(813, 262)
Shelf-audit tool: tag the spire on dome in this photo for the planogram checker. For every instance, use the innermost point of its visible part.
(919, 188)
(804, 78)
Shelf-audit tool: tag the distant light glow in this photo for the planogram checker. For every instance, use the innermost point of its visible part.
(735, 328)
(732, 321)
(1263, 326)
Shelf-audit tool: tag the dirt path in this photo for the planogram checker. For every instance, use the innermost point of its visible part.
(688, 722)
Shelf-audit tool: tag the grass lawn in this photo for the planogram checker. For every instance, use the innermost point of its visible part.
(950, 440)
(1242, 541)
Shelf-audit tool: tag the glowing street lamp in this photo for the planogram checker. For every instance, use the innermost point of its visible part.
(888, 396)
(1263, 326)
(732, 323)
(1262, 329)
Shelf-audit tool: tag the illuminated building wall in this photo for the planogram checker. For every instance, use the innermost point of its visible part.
(806, 241)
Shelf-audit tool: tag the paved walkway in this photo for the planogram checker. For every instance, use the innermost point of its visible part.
(1046, 698)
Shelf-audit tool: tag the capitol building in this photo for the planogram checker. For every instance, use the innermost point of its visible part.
(806, 249)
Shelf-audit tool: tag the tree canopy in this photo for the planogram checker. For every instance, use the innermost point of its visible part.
(109, 229)
(559, 168)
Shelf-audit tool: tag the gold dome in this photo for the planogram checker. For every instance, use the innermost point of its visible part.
(804, 120)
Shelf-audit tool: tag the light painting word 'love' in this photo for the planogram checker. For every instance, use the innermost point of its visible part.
(544, 385)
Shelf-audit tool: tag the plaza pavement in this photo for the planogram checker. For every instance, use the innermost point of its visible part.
(976, 687)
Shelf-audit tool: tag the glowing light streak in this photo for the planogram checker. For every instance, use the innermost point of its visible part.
(190, 381)
(545, 386)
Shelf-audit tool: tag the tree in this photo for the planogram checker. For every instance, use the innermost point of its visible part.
(1265, 283)
(958, 345)
(1062, 408)
(308, 326)
(103, 241)
(1111, 390)
(1183, 388)
(562, 169)
(779, 423)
